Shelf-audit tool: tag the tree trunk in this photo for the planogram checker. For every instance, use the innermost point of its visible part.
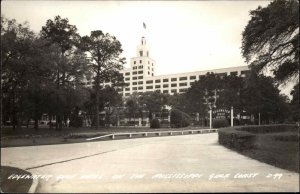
(97, 107)
(36, 123)
(13, 113)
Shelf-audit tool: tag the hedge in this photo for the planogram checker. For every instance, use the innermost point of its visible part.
(235, 139)
(179, 118)
(218, 123)
(269, 128)
(154, 123)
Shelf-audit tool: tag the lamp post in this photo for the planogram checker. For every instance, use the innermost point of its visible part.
(210, 117)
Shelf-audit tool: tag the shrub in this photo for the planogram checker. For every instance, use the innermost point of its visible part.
(179, 118)
(76, 121)
(154, 123)
(234, 139)
(218, 123)
(269, 128)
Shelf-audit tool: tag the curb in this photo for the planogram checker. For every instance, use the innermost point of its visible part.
(158, 133)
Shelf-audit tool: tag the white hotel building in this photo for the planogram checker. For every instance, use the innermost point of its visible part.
(141, 77)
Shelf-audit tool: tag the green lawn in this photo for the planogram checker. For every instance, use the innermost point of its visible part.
(46, 136)
(278, 149)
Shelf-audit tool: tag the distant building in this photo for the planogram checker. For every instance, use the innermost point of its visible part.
(141, 77)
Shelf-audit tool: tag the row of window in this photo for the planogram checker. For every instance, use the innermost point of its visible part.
(164, 91)
(141, 61)
(156, 86)
(138, 67)
(137, 72)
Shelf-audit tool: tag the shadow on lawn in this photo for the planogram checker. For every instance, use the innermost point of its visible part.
(14, 185)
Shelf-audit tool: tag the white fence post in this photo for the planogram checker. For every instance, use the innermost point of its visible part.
(231, 117)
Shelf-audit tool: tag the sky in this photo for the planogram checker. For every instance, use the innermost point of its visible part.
(183, 36)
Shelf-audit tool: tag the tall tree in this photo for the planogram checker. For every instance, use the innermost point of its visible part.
(271, 39)
(65, 37)
(153, 101)
(262, 96)
(105, 61)
(229, 94)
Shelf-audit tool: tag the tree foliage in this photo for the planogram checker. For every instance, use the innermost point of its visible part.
(271, 39)
(295, 104)
(104, 53)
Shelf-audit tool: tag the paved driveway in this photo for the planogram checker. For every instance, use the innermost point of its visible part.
(189, 163)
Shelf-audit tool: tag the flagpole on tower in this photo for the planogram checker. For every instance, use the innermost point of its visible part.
(144, 29)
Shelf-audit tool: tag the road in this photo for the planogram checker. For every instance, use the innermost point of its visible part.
(188, 163)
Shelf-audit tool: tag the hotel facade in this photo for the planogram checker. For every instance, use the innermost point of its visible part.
(140, 76)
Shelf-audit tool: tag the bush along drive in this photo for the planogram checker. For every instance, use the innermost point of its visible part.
(179, 118)
(154, 123)
(218, 123)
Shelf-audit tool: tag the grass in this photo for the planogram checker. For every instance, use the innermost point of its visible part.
(47, 136)
(278, 148)
(13, 185)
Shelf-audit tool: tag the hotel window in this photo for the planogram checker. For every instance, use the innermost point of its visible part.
(193, 77)
(183, 84)
(174, 91)
(127, 78)
(182, 78)
(148, 73)
(134, 78)
(140, 82)
(166, 91)
(140, 72)
(148, 62)
(201, 76)
(165, 80)
(134, 72)
(141, 53)
(134, 62)
(152, 74)
(134, 83)
(149, 87)
(141, 67)
(140, 61)
(166, 85)
(152, 64)
(173, 85)
(182, 90)
(127, 89)
(134, 68)
(134, 88)
(140, 88)
(127, 94)
(128, 73)
(157, 86)
(140, 77)
(148, 68)
(173, 79)
(157, 81)
(149, 82)
(152, 69)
